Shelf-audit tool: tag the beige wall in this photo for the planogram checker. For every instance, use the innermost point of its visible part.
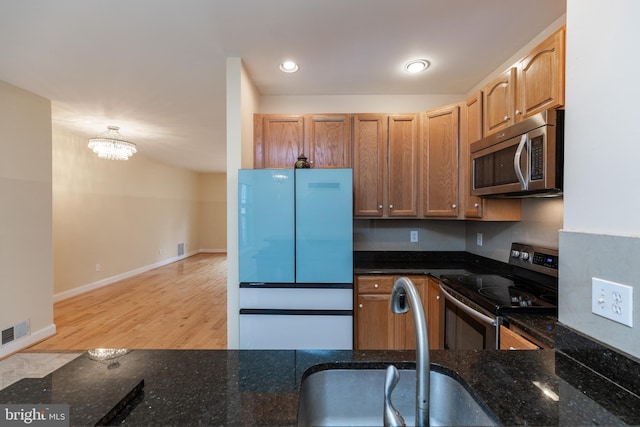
(126, 216)
(242, 102)
(213, 211)
(26, 271)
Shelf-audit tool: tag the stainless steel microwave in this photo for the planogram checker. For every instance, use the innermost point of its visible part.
(525, 160)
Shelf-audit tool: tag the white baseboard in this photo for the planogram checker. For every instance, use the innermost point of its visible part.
(213, 251)
(113, 279)
(27, 341)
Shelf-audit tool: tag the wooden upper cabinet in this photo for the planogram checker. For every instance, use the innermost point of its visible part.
(470, 131)
(541, 77)
(385, 165)
(278, 140)
(440, 162)
(369, 159)
(533, 84)
(328, 140)
(402, 168)
(324, 139)
(498, 98)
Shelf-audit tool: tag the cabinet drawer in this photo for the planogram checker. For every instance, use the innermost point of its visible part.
(374, 284)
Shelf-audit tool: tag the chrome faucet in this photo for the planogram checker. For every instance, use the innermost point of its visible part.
(404, 290)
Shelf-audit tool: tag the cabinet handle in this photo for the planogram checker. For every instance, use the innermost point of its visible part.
(454, 206)
(390, 206)
(437, 297)
(476, 205)
(375, 285)
(506, 118)
(518, 112)
(511, 348)
(359, 305)
(379, 206)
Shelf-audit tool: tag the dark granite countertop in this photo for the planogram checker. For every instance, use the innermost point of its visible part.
(424, 262)
(542, 327)
(250, 387)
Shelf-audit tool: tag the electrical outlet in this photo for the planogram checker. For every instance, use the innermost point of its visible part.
(414, 236)
(479, 239)
(97, 267)
(612, 300)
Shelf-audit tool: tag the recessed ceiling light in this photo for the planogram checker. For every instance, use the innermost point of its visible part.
(289, 67)
(416, 65)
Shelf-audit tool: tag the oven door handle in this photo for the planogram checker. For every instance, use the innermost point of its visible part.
(470, 311)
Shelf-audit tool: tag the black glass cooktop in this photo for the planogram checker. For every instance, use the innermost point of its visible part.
(500, 294)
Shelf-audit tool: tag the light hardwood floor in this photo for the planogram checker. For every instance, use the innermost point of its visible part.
(182, 305)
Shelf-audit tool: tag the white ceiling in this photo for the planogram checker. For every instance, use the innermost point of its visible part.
(156, 68)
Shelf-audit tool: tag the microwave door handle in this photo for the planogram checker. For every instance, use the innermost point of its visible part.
(470, 311)
(516, 162)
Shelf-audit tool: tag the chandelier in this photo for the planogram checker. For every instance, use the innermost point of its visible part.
(110, 145)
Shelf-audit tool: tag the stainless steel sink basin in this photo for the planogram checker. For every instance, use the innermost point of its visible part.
(354, 397)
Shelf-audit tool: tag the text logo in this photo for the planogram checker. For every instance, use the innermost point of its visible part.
(34, 415)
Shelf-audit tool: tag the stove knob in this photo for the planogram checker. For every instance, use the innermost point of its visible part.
(524, 255)
(515, 253)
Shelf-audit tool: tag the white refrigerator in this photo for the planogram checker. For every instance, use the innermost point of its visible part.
(295, 234)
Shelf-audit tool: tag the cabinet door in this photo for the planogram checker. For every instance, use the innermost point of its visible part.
(402, 165)
(470, 131)
(405, 329)
(440, 162)
(541, 77)
(369, 158)
(266, 235)
(324, 226)
(328, 138)
(374, 322)
(499, 100)
(278, 140)
(435, 316)
(509, 340)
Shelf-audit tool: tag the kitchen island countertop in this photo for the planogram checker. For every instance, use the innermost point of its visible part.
(252, 387)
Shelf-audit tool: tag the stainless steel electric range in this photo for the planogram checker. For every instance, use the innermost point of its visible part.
(475, 304)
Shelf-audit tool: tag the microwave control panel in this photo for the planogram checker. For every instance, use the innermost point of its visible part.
(537, 158)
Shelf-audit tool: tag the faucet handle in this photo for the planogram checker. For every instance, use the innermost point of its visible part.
(392, 417)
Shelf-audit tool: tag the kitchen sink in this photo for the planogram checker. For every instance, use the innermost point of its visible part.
(354, 397)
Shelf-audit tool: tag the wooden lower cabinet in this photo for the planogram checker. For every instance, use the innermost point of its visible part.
(435, 315)
(377, 328)
(373, 321)
(510, 340)
(375, 325)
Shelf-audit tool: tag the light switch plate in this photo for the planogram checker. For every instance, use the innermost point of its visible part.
(612, 300)
(414, 236)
